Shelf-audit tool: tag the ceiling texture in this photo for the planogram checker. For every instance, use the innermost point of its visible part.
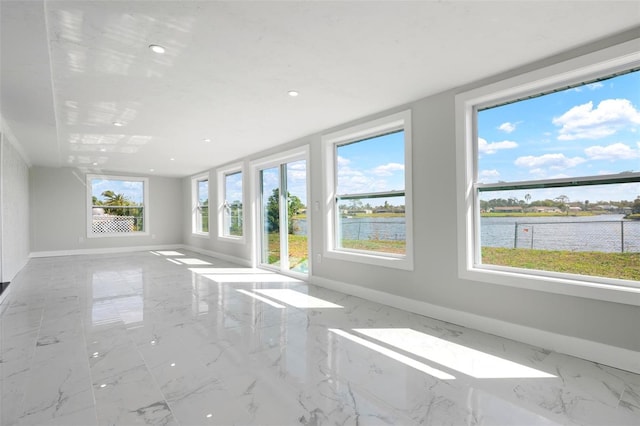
(70, 69)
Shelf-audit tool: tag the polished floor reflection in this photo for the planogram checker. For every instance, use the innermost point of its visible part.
(176, 338)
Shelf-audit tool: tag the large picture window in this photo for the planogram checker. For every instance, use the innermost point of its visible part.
(370, 191)
(201, 205)
(552, 177)
(117, 206)
(231, 212)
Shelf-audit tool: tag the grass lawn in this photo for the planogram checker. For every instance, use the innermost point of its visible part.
(611, 265)
(385, 246)
(298, 247)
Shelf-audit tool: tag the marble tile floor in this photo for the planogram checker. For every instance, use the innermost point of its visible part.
(177, 338)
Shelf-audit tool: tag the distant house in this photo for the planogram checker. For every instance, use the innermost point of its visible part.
(510, 209)
(575, 209)
(544, 209)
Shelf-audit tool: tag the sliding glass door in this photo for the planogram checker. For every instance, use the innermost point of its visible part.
(283, 216)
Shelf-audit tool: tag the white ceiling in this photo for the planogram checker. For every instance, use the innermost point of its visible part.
(72, 68)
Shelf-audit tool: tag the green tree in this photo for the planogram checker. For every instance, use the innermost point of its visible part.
(563, 203)
(204, 209)
(294, 204)
(235, 216)
(116, 200)
(635, 209)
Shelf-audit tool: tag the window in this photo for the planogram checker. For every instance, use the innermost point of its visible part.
(117, 206)
(549, 177)
(369, 188)
(231, 213)
(201, 205)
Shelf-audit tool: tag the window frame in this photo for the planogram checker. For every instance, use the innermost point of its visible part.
(400, 121)
(195, 204)
(89, 206)
(568, 73)
(222, 174)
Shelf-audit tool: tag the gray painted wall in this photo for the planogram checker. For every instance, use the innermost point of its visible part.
(14, 204)
(58, 212)
(435, 277)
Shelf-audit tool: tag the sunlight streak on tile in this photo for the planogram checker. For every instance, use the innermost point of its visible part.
(193, 261)
(394, 355)
(466, 360)
(297, 299)
(250, 278)
(262, 299)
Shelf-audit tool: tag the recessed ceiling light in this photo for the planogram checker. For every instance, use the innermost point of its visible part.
(157, 48)
(118, 124)
(209, 415)
(172, 159)
(95, 164)
(293, 93)
(207, 140)
(153, 342)
(103, 149)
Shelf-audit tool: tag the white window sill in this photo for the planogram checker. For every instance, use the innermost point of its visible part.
(200, 234)
(611, 290)
(396, 262)
(237, 240)
(119, 234)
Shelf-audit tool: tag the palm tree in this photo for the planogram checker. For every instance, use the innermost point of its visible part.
(527, 198)
(113, 199)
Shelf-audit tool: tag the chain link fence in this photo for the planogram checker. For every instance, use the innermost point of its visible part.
(359, 229)
(602, 236)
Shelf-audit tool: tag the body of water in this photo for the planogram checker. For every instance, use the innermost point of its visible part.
(606, 233)
(365, 228)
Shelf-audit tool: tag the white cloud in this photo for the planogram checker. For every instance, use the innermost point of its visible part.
(507, 127)
(485, 147)
(585, 122)
(343, 161)
(592, 86)
(489, 175)
(388, 169)
(617, 151)
(354, 181)
(553, 161)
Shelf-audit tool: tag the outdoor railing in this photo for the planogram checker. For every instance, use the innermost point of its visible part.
(602, 236)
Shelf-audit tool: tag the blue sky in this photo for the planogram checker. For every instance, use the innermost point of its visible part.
(296, 180)
(203, 191)
(373, 165)
(233, 189)
(586, 131)
(133, 191)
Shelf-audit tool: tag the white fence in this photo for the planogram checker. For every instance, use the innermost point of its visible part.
(107, 224)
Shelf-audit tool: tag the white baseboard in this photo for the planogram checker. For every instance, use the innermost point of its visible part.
(613, 356)
(110, 250)
(210, 253)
